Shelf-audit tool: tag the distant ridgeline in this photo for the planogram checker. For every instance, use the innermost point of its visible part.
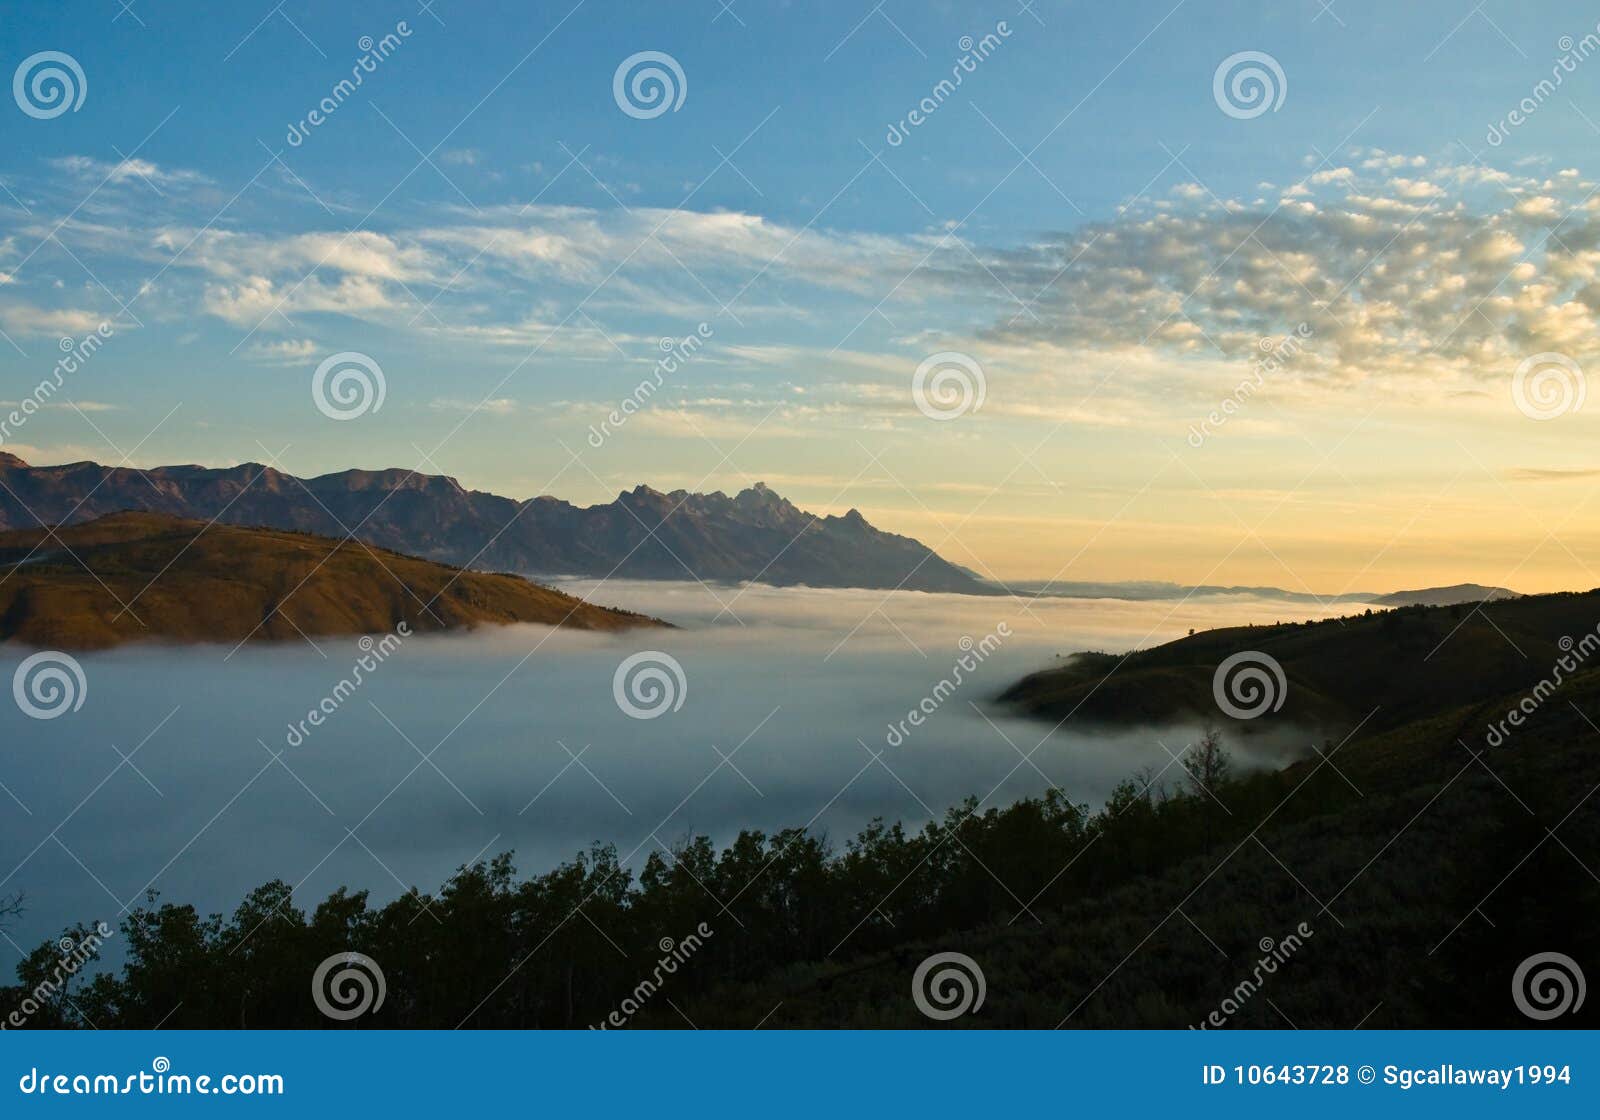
(643, 534)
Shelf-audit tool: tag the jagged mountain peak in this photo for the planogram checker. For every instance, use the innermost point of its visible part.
(643, 534)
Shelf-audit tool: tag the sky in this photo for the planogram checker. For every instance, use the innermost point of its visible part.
(1295, 294)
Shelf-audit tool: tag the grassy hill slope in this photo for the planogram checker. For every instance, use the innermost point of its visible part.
(188, 581)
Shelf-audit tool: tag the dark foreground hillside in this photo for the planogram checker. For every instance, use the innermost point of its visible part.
(1397, 878)
(1406, 663)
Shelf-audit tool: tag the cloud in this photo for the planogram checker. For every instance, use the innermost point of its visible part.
(26, 319)
(1410, 273)
(1398, 279)
(494, 406)
(87, 167)
(1551, 474)
(81, 406)
(256, 299)
(286, 352)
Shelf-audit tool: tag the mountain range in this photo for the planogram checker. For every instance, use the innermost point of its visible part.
(1157, 590)
(755, 535)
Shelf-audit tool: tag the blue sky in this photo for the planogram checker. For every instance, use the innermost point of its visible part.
(1080, 217)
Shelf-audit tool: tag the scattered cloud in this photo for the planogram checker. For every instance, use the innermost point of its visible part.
(27, 319)
(288, 351)
(87, 167)
(1552, 474)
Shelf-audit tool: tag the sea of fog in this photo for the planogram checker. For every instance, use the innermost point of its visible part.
(186, 770)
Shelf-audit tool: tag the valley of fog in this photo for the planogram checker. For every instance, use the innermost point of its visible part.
(789, 683)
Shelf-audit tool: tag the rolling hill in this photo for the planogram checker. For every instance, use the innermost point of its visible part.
(1403, 662)
(141, 576)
